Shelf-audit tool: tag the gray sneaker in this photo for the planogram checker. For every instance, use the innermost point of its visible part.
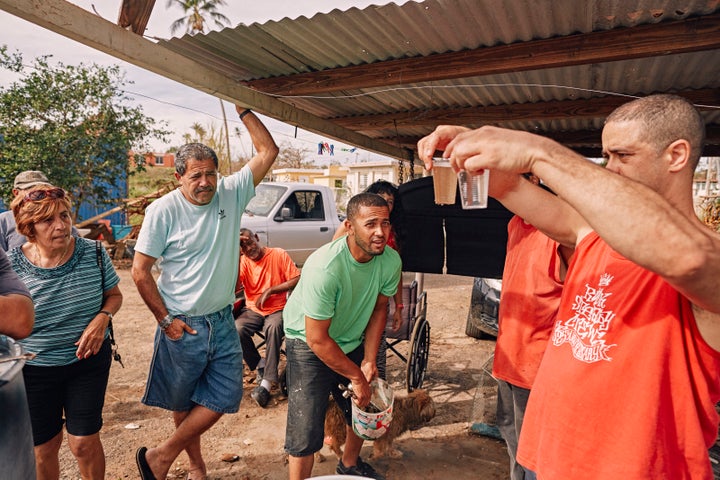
(362, 469)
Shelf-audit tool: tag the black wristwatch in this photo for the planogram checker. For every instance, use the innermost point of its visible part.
(110, 315)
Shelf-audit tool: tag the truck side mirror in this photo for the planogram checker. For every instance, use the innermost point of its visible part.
(285, 214)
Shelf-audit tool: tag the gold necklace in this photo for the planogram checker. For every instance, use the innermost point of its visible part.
(37, 255)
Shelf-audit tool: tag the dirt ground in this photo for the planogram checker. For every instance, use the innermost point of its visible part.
(441, 449)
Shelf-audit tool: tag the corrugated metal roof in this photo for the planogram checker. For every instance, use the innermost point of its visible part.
(419, 29)
(416, 29)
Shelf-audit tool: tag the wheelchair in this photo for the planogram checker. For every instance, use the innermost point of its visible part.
(415, 329)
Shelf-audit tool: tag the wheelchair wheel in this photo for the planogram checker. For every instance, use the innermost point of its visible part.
(418, 356)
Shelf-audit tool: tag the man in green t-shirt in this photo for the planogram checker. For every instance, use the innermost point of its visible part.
(334, 320)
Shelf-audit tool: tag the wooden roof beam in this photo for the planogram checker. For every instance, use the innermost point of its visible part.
(498, 114)
(67, 19)
(135, 14)
(691, 35)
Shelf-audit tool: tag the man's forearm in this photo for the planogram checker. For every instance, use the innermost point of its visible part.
(148, 290)
(641, 224)
(285, 286)
(375, 329)
(633, 219)
(264, 144)
(330, 353)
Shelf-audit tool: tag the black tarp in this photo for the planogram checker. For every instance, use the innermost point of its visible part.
(475, 239)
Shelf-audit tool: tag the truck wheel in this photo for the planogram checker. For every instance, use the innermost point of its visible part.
(474, 331)
(482, 316)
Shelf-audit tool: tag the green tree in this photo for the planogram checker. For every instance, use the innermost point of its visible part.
(196, 14)
(71, 123)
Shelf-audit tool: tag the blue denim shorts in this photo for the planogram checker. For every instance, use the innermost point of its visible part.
(203, 369)
(310, 383)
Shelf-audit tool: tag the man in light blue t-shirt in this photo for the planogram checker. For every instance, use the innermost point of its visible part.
(196, 370)
(334, 320)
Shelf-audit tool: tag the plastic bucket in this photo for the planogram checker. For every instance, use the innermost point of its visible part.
(372, 424)
(16, 444)
(340, 477)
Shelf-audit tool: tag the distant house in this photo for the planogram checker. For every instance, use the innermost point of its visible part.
(361, 175)
(705, 181)
(302, 175)
(160, 159)
(154, 159)
(335, 176)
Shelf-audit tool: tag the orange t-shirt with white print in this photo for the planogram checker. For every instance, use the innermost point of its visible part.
(627, 386)
(274, 268)
(529, 302)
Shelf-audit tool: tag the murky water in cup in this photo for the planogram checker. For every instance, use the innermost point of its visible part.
(444, 181)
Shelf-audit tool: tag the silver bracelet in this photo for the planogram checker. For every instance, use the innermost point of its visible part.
(166, 322)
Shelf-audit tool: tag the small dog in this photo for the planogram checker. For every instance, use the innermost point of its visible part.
(408, 412)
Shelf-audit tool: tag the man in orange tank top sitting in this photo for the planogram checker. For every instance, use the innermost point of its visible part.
(266, 275)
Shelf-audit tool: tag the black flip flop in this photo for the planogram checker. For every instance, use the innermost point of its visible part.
(142, 464)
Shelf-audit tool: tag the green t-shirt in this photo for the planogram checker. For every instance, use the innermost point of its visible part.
(335, 287)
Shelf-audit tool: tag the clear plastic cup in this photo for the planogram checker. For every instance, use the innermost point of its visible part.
(473, 189)
(444, 181)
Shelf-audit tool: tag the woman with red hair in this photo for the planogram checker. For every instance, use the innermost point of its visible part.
(75, 293)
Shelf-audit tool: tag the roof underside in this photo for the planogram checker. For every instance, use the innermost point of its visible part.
(555, 67)
(383, 77)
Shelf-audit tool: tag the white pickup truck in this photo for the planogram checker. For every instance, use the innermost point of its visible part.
(297, 217)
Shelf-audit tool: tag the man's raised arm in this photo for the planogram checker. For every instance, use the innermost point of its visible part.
(267, 150)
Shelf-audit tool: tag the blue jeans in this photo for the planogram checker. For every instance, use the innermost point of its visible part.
(310, 382)
(203, 369)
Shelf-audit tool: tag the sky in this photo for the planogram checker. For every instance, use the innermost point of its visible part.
(164, 99)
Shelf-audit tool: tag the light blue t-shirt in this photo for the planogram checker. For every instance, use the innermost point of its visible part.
(197, 245)
(333, 285)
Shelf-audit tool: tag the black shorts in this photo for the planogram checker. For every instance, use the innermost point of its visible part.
(77, 389)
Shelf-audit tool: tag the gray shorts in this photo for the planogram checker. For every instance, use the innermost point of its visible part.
(310, 383)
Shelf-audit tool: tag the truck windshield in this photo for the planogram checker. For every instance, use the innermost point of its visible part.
(266, 196)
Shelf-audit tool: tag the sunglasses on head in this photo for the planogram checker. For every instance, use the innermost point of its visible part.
(38, 195)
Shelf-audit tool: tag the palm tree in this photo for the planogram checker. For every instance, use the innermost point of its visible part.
(196, 14)
(194, 21)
